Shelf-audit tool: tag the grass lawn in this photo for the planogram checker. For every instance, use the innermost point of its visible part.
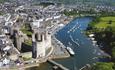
(103, 23)
(26, 32)
(107, 18)
(28, 42)
(26, 29)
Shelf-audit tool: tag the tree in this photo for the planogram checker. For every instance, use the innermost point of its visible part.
(103, 66)
(112, 44)
(110, 21)
(108, 28)
(113, 52)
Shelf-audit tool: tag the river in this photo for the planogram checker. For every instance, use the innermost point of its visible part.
(72, 35)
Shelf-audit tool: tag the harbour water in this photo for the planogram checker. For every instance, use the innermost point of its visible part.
(85, 51)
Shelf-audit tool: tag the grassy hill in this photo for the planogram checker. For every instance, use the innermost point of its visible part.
(104, 22)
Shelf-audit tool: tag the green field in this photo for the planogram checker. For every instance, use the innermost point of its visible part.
(107, 18)
(26, 29)
(28, 42)
(104, 30)
(104, 22)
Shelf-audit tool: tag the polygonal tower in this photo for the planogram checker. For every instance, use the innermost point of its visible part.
(41, 41)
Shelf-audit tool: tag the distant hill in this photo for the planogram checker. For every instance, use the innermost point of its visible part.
(100, 2)
(74, 2)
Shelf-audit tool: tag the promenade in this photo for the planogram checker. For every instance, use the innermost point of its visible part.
(59, 50)
(58, 65)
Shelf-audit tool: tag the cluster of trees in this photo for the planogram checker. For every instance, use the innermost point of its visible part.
(75, 12)
(70, 13)
(103, 66)
(106, 37)
(45, 4)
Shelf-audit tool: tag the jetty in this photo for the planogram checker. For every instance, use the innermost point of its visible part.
(57, 64)
(86, 67)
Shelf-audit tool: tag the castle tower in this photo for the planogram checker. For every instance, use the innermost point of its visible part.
(34, 51)
(41, 41)
(38, 45)
(18, 41)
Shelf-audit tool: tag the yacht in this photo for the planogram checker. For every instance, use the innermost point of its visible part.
(70, 51)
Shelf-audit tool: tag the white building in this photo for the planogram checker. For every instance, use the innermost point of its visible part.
(36, 23)
(56, 17)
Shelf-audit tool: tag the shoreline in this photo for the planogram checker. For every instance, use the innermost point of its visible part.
(92, 35)
(63, 47)
(60, 47)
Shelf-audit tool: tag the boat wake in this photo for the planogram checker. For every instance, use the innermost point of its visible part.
(70, 44)
(74, 41)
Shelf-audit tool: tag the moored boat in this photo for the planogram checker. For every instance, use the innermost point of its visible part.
(70, 51)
